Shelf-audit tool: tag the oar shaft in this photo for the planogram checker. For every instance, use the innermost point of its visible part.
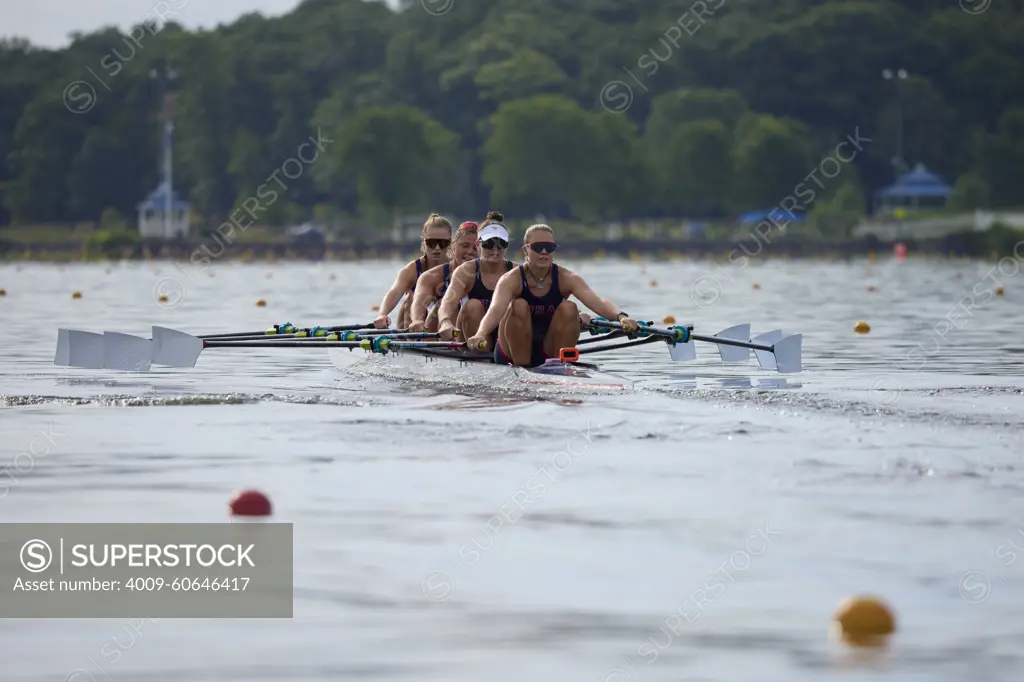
(267, 338)
(272, 332)
(732, 342)
(627, 344)
(324, 343)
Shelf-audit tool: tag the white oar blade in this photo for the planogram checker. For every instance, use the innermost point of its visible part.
(682, 352)
(63, 355)
(765, 358)
(172, 348)
(740, 332)
(85, 349)
(126, 352)
(788, 353)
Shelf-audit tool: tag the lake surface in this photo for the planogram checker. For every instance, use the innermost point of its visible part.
(702, 527)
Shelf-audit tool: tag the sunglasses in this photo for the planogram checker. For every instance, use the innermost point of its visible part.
(437, 243)
(494, 243)
(543, 247)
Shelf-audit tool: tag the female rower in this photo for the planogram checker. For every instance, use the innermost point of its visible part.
(433, 284)
(473, 283)
(531, 310)
(434, 242)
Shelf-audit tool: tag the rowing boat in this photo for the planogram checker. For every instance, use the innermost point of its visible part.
(460, 368)
(401, 354)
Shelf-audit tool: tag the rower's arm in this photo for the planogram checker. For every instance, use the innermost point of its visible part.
(457, 288)
(509, 287)
(403, 282)
(424, 294)
(588, 297)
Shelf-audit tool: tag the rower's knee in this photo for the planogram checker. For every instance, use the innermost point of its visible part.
(473, 307)
(567, 310)
(520, 308)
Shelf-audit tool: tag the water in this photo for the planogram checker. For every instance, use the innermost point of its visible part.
(703, 527)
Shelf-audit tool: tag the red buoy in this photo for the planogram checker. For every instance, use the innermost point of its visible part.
(250, 503)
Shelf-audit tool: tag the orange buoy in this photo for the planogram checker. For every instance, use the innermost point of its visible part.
(3, 292)
(864, 620)
(999, 291)
(374, 308)
(756, 285)
(870, 288)
(77, 294)
(260, 303)
(654, 282)
(669, 320)
(250, 503)
(862, 327)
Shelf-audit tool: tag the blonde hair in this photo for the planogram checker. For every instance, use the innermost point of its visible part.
(464, 229)
(436, 220)
(540, 227)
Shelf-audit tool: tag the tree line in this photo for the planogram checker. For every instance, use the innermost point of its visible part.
(582, 109)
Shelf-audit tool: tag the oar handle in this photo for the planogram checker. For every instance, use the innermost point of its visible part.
(678, 334)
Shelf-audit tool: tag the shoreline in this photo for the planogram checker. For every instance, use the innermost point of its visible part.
(990, 244)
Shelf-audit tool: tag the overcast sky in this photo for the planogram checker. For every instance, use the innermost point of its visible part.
(47, 23)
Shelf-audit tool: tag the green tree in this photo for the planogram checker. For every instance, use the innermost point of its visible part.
(399, 158)
(771, 156)
(970, 192)
(697, 169)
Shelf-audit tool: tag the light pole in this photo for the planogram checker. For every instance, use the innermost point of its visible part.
(164, 77)
(899, 75)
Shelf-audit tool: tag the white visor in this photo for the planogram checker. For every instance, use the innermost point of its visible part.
(491, 231)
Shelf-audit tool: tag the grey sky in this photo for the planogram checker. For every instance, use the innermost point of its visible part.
(47, 23)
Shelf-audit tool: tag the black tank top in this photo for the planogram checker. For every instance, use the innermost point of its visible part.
(480, 291)
(419, 271)
(447, 278)
(542, 308)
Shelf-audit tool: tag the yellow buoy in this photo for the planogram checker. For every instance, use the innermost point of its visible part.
(163, 299)
(77, 294)
(669, 320)
(260, 303)
(999, 291)
(862, 327)
(864, 620)
(374, 308)
(654, 282)
(3, 292)
(756, 285)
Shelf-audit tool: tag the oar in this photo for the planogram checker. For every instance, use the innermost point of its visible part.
(286, 328)
(113, 350)
(773, 349)
(172, 348)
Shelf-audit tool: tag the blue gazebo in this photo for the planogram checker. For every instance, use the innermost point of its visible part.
(920, 188)
(152, 222)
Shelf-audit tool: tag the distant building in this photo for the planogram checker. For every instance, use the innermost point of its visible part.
(308, 240)
(920, 188)
(152, 223)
